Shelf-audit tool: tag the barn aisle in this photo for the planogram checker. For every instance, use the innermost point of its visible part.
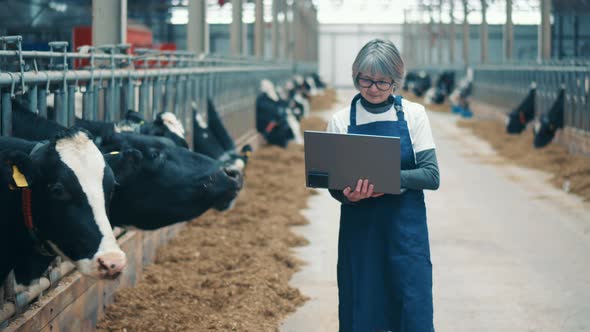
(509, 250)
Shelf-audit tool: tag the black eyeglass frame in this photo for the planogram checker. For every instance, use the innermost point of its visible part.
(388, 84)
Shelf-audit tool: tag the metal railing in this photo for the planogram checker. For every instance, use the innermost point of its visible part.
(103, 86)
(506, 86)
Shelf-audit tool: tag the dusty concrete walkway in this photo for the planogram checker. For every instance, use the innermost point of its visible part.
(509, 251)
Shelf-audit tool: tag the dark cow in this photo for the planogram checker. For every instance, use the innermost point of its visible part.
(60, 206)
(420, 84)
(445, 83)
(212, 139)
(550, 122)
(523, 114)
(271, 117)
(170, 184)
(319, 82)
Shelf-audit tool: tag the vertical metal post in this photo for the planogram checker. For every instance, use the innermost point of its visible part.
(483, 36)
(110, 102)
(109, 22)
(61, 107)
(259, 29)
(42, 102)
(545, 31)
(197, 28)
(559, 36)
(169, 95)
(88, 103)
(96, 101)
(508, 32)
(129, 95)
(576, 34)
(178, 95)
(452, 33)
(71, 114)
(32, 96)
(287, 30)
(157, 96)
(275, 29)
(236, 33)
(144, 94)
(440, 33)
(465, 34)
(6, 114)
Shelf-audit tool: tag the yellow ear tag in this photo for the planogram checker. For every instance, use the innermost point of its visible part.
(248, 154)
(114, 153)
(19, 178)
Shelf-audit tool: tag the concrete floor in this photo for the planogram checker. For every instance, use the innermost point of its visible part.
(509, 251)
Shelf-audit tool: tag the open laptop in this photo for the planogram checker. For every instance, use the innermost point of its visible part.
(337, 161)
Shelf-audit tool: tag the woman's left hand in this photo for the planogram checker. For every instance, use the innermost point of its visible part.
(363, 190)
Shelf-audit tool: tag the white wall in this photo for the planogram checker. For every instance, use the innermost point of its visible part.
(339, 44)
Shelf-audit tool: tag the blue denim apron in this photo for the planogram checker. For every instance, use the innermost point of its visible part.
(384, 269)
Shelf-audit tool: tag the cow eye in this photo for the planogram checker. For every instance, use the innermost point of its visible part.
(153, 154)
(59, 192)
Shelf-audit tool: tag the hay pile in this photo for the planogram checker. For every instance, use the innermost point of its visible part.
(227, 271)
(570, 172)
(325, 101)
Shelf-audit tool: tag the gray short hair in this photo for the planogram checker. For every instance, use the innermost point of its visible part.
(379, 56)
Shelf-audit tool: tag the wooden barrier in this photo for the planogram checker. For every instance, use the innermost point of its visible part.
(78, 302)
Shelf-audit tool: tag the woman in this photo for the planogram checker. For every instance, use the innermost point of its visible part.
(384, 269)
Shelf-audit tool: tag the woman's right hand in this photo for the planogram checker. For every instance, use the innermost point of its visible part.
(363, 190)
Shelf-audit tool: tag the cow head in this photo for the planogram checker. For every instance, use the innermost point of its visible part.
(212, 139)
(171, 184)
(68, 193)
(548, 124)
(166, 124)
(517, 120)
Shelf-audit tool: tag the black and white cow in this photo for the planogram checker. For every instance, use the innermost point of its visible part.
(550, 122)
(170, 185)
(211, 138)
(166, 125)
(418, 83)
(166, 184)
(444, 85)
(272, 119)
(60, 206)
(517, 120)
(319, 82)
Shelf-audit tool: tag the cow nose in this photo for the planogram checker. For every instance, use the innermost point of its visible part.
(232, 172)
(111, 264)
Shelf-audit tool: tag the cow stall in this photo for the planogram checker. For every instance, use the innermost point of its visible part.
(114, 82)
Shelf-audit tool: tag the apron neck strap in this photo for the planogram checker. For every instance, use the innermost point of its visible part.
(397, 104)
(353, 109)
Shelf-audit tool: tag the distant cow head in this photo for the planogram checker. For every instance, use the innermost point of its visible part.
(171, 184)
(549, 122)
(166, 124)
(68, 194)
(523, 114)
(212, 139)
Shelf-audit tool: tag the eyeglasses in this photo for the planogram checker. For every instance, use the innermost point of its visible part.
(367, 83)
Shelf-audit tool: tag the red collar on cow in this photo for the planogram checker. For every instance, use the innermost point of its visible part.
(270, 126)
(521, 117)
(20, 183)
